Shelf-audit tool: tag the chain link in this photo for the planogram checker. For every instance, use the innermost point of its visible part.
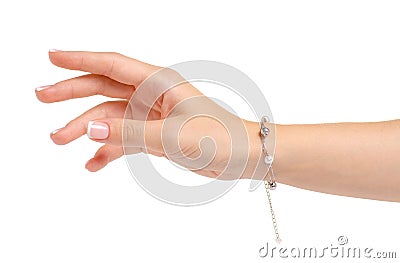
(274, 223)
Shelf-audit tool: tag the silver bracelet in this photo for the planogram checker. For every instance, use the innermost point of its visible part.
(269, 182)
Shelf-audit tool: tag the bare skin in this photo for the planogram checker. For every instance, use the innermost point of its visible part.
(350, 159)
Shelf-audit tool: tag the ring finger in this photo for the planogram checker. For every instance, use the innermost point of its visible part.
(78, 127)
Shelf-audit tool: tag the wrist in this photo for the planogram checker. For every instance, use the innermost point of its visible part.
(256, 167)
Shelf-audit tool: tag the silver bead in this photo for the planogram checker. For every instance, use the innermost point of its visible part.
(268, 159)
(264, 131)
(272, 185)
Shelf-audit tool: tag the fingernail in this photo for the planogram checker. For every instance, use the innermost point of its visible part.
(54, 50)
(86, 164)
(42, 88)
(55, 131)
(97, 130)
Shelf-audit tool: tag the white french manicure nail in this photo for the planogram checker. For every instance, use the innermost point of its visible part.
(55, 131)
(54, 50)
(97, 130)
(42, 88)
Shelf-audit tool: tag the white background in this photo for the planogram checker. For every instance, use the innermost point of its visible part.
(316, 61)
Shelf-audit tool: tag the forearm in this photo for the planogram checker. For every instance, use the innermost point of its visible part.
(350, 159)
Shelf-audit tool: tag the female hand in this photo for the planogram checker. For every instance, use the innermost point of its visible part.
(178, 122)
(340, 158)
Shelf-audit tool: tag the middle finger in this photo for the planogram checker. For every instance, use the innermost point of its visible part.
(84, 86)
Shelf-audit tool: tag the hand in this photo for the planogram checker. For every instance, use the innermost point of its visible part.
(182, 124)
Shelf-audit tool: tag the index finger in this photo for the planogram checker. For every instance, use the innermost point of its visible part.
(113, 65)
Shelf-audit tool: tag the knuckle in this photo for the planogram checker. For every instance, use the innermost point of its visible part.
(131, 133)
(113, 54)
(127, 132)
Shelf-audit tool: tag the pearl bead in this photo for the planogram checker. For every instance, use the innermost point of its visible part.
(265, 119)
(268, 159)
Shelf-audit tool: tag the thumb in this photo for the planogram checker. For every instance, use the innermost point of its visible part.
(129, 133)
